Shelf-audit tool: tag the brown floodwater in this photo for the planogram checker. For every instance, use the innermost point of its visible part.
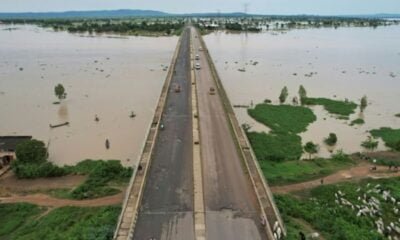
(107, 76)
(333, 63)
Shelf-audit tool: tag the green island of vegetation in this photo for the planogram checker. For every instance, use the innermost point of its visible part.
(20, 221)
(279, 151)
(32, 163)
(327, 209)
(397, 115)
(283, 118)
(390, 136)
(341, 108)
(358, 121)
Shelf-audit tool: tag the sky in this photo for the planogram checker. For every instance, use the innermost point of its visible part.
(319, 7)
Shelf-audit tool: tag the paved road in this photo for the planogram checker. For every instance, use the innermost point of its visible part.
(167, 207)
(232, 210)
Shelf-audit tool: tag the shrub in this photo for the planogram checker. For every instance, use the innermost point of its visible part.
(358, 121)
(31, 151)
(331, 140)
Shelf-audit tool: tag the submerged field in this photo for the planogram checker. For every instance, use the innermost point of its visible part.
(334, 65)
(106, 75)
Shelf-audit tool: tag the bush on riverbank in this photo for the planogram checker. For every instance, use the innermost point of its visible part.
(31, 163)
(24, 221)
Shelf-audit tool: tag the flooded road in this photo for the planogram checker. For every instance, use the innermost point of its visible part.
(332, 63)
(107, 76)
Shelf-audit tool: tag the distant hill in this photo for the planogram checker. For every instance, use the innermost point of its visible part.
(84, 14)
(123, 13)
(379, 15)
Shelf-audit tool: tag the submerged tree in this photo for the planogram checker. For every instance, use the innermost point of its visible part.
(331, 140)
(363, 103)
(302, 94)
(284, 94)
(59, 91)
(310, 148)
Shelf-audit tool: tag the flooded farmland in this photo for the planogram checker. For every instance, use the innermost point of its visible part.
(333, 63)
(107, 76)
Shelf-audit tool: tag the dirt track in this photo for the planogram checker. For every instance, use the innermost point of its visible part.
(355, 173)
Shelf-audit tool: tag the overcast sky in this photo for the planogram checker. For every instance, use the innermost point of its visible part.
(322, 7)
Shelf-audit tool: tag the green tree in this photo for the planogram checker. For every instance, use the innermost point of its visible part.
(31, 151)
(310, 148)
(59, 90)
(331, 140)
(284, 94)
(302, 94)
(363, 103)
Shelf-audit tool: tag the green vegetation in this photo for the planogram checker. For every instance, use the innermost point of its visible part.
(331, 140)
(363, 103)
(285, 121)
(275, 147)
(31, 163)
(283, 118)
(370, 144)
(14, 215)
(23, 221)
(100, 174)
(59, 91)
(358, 121)
(310, 148)
(329, 214)
(343, 108)
(284, 94)
(278, 152)
(287, 172)
(390, 136)
(397, 115)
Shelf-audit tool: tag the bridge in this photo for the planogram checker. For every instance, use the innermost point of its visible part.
(197, 177)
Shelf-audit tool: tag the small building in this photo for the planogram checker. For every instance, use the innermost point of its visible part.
(8, 145)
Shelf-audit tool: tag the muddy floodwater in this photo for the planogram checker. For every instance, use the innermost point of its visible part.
(107, 76)
(332, 63)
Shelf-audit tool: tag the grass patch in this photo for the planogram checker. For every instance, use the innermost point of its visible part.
(275, 147)
(322, 210)
(21, 221)
(397, 115)
(283, 118)
(14, 215)
(390, 136)
(358, 121)
(288, 172)
(100, 175)
(342, 108)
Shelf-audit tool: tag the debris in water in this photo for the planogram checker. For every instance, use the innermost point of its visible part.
(107, 144)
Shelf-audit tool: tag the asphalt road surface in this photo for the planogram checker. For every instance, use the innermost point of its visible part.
(232, 209)
(166, 210)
